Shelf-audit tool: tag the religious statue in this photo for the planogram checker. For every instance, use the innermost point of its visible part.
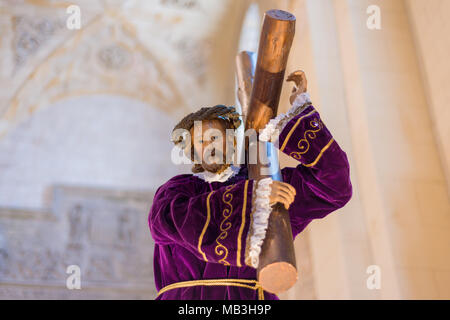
(211, 227)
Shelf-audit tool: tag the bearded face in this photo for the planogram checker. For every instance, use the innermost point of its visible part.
(210, 144)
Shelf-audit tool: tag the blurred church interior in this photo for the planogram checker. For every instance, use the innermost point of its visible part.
(86, 114)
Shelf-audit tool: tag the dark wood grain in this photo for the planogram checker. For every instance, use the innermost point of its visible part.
(277, 269)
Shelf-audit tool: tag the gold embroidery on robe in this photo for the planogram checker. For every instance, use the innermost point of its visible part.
(241, 229)
(304, 144)
(208, 219)
(293, 129)
(320, 154)
(225, 225)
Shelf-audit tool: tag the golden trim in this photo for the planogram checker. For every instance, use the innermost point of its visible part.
(243, 283)
(241, 229)
(320, 154)
(293, 128)
(208, 218)
(311, 135)
(220, 249)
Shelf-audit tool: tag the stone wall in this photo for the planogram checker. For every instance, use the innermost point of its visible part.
(85, 120)
(102, 231)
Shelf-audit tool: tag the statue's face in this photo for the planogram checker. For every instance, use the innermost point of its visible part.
(210, 145)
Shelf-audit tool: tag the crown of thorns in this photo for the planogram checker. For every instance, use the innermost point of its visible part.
(218, 112)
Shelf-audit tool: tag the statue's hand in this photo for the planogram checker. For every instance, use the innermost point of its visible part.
(300, 84)
(282, 192)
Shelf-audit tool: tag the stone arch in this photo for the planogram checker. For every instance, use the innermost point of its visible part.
(107, 55)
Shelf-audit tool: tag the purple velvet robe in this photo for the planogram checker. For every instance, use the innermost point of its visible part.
(200, 229)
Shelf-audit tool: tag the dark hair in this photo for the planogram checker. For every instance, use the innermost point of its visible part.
(218, 112)
(228, 115)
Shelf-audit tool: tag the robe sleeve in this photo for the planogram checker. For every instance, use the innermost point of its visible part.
(322, 179)
(213, 225)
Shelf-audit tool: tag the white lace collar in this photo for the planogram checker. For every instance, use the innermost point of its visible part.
(218, 177)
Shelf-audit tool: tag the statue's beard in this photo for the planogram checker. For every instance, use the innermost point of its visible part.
(217, 168)
(215, 163)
